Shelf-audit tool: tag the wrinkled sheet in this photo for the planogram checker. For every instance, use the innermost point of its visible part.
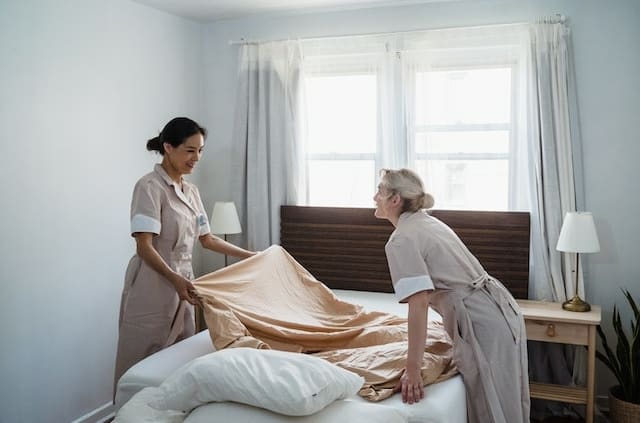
(271, 301)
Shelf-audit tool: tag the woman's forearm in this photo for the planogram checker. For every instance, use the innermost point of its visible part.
(146, 251)
(417, 317)
(221, 246)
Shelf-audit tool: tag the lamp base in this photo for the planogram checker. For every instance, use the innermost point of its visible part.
(576, 304)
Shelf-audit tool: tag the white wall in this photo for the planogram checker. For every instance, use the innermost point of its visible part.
(83, 85)
(607, 56)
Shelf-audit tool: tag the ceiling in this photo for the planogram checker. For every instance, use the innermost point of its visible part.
(212, 10)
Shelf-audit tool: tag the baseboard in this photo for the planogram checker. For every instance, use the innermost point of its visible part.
(602, 402)
(98, 415)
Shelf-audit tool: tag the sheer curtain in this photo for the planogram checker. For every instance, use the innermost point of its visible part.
(355, 120)
(265, 134)
(484, 48)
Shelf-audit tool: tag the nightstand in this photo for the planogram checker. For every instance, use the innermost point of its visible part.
(548, 322)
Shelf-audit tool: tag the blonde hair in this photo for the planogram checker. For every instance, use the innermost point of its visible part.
(407, 184)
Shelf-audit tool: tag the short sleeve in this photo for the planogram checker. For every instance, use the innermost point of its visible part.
(145, 208)
(203, 220)
(409, 273)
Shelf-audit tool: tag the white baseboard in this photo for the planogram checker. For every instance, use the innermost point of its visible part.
(98, 415)
(107, 418)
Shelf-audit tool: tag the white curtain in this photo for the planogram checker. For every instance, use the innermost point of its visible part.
(264, 138)
(551, 152)
(552, 138)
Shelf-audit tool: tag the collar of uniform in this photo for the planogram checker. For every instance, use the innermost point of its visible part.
(408, 215)
(404, 216)
(163, 173)
(182, 195)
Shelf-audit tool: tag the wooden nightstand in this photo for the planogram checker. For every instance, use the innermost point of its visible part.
(548, 322)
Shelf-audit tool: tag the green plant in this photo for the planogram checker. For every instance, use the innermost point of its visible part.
(625, 361)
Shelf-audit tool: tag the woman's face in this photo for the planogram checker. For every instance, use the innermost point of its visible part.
(184, 157)
(386, 206)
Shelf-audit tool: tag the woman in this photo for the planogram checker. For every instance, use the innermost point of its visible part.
(167, 217)
(430, 265)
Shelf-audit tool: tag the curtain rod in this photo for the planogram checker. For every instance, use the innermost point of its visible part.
(557, 18)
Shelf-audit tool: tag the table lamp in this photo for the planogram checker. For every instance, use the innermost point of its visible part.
(224, 221)
(578, 235)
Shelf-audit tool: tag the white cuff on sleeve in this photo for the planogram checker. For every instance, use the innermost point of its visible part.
(406, 287)
(204, 229)
(142, 223)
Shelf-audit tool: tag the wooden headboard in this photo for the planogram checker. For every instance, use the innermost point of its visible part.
(344, 247)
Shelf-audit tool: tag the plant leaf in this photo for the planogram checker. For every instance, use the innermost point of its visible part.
(610, 359)
(625, 361)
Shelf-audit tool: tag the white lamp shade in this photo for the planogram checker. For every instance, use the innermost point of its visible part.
(224, 219)
(578, 234)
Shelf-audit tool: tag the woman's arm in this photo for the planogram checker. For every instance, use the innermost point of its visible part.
(411, 383)
(218, 245)
(148, 253)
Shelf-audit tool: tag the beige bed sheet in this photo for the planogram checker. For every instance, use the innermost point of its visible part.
(271, 301)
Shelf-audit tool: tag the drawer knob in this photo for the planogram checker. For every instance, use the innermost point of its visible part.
(551, 330)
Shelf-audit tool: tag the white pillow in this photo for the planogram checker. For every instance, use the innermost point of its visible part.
(288, 383)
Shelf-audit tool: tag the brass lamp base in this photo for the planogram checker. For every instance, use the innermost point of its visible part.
(576, 304)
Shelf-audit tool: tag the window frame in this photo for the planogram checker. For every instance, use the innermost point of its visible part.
(401, 99)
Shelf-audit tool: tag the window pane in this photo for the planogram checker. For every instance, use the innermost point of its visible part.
(466, 142)
(463, 96)
(466, 184)
(348, 183)
(341, 113)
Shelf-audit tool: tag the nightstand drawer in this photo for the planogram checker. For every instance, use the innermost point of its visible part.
(564, 333)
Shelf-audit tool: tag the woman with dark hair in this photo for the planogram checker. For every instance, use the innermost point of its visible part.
(431, 266)
(167, 217)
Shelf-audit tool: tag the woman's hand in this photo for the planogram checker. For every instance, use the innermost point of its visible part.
(411, 386)
(185, 289)
(182, 285)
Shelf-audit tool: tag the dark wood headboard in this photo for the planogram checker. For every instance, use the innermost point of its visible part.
(344, 247)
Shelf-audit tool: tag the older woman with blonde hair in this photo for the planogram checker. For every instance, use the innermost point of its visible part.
(431, 266)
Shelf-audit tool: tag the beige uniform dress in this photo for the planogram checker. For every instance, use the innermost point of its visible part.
(478, 312)
(152, 316)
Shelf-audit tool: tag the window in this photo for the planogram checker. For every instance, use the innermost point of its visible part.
(341, 149)
(462, 136)
(451, 119)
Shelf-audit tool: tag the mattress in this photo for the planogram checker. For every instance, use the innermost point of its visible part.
(443, 402)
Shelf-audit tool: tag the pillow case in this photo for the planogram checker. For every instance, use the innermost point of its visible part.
(288, 383)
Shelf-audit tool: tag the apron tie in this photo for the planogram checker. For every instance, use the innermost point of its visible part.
(500, 297)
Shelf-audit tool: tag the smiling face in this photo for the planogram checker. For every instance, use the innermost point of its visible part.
(182, 159)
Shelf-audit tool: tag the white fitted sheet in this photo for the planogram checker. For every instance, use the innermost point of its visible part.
(443, 402)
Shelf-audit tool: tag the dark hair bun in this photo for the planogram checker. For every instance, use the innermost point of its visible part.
(155, 144)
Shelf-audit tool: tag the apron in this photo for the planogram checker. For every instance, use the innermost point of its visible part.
(488, 333)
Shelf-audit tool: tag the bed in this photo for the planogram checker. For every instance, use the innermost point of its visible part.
(344, 248)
